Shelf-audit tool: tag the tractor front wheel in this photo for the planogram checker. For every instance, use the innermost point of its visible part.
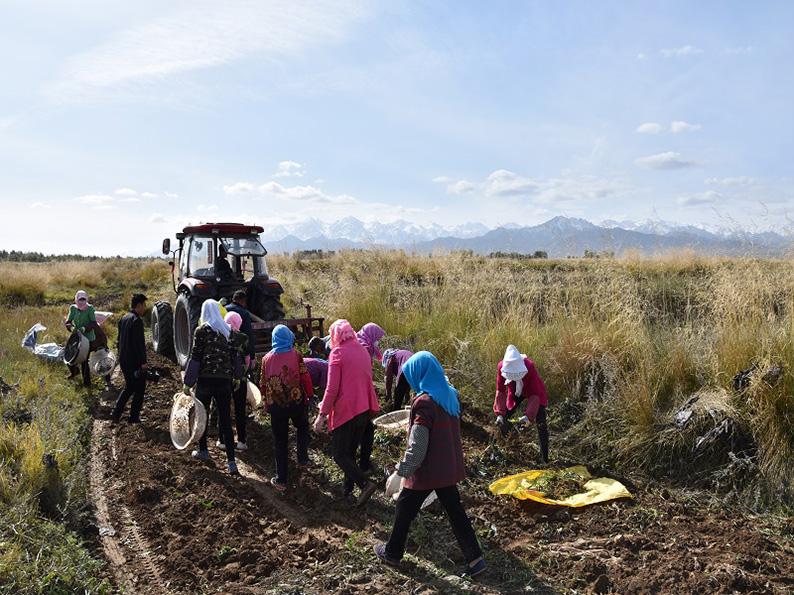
(163, 329)
(186, 316)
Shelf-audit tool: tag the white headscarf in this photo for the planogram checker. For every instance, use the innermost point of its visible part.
(513, 367)
(211, 316)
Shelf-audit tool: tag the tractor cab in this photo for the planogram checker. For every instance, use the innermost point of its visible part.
(212, 261)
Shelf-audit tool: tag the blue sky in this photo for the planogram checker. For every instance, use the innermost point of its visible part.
(121, 122)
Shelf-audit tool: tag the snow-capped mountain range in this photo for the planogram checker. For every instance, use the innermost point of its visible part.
(559, 237)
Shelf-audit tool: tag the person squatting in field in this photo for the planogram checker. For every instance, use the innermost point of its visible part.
(348, 405)
(393, 362)
(82, 317)
(286, 389)
(320, 347)
(132, 360)
(211, 369)
(432, 461)
(517, 382)
(239, 342)
(369, 336)
(318, 370)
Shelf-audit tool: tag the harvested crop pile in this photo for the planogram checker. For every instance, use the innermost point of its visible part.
(558, 485)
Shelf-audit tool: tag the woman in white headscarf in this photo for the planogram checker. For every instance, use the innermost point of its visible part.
(517, 383)
(212, 369)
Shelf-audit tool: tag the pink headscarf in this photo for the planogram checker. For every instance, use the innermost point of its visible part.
(81, 305)
(341, 331)
(368, 336)
(234, 320)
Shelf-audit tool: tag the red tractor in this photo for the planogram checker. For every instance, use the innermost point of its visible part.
(215, 260)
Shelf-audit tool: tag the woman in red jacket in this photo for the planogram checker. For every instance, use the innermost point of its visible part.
(517, 383)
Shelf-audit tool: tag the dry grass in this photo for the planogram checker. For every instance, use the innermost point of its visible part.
(638, 336)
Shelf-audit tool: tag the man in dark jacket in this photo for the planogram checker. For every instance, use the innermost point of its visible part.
(240, 305)
(132, 359)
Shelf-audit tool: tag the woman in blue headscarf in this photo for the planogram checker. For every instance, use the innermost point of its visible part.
(286, 388)
(432, 461)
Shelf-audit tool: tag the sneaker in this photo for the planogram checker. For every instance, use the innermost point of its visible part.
(232, 466)
(380, 552)
(201, 455)
(366, 493)
(277, 484)
(241, 446)
(476, 570)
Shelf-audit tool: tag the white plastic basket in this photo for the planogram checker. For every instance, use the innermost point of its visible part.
(188, 421)
(102, 362)
(394, 421)
(253, 396)
(76, 350)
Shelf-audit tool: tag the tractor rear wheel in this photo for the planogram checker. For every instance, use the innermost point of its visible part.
(163, 329)
(187, 312)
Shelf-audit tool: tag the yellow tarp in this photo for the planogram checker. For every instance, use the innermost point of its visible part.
(599, 489)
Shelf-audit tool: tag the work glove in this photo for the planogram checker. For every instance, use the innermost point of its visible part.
(523, 419)
(393, 485)
(186, 389)
(319, 424)
(236, 384)
(500, 420)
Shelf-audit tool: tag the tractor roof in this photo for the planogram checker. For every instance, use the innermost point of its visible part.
(222, 229)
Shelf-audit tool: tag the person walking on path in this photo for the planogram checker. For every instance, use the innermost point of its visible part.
(286, 389)
(240, 306)
(369, 336)
(348, 405)
(211, 370)
(432, 461)
(239, 343)
(82, 318)
(517, 382)
(393, 362)
(132, 360)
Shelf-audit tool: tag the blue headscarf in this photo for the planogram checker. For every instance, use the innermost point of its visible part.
(282, 339)
(425, 375)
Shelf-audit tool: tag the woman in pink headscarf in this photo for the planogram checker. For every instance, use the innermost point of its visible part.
(348, 405)
(239, 342)
(369, 336)
(82, 318)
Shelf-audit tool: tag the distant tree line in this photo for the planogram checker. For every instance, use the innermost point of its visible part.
(535, 254)
(17, 256)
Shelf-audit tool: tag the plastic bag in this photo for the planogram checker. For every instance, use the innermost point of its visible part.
(49, 351)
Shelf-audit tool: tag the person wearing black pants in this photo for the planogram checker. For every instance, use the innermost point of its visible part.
(280, 417)
(132, 359)
(345, 441)
(213, 367)
(219, 390)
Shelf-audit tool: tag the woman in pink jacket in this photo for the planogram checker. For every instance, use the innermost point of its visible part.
(348, 404)
(517, 383)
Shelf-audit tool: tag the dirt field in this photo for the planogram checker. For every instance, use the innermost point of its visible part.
(167, 523)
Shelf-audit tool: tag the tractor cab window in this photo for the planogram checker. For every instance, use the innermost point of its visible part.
(247, 257)
(201, 257)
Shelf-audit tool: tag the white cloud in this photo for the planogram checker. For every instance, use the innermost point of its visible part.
(237, 188)
(649, 128)
(305, 193)
(94, 199)
(732, 181)
(148, 195)
(170, 195)
(667, 160)
(677, 126)
(37, 205)
(683, 51)
(443, 180)
(130, 199)
(461, 187)
(288, 169)
(207, 208)
(504, 183)
(201, 35)
(739, 50)
(641, 56)
(702, 198)
(125, 192)
(157, 218)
